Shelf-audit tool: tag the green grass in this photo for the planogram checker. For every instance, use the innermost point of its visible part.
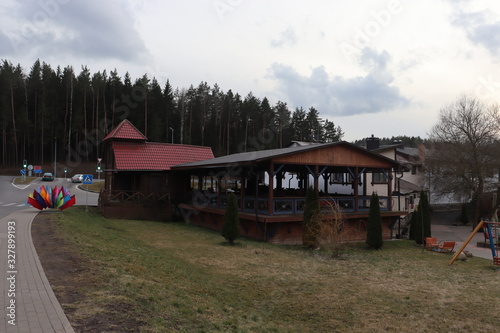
(181, 278)
(94, 187)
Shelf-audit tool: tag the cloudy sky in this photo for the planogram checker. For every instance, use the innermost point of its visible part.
(372, 67)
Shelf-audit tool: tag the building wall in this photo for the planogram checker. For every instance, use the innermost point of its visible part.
(279, 232)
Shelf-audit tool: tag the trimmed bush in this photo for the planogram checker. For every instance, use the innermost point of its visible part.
(231, 225)
(374, 237)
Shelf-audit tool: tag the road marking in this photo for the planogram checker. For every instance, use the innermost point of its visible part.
(21, 187)
(17, 204)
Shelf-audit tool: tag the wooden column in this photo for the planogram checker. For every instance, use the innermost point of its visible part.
(243, 180)
(219, 188)
(325, 183)
(389, 190)
(316, 178)
(270, 199)
(356, 191)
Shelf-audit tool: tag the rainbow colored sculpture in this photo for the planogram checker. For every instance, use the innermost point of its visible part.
(47, 197)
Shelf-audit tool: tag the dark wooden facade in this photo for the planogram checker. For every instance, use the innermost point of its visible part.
(138, 179)
(271, 210)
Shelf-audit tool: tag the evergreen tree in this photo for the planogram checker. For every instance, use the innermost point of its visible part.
(420, 224)
(374, 227)
(425, 210)
(230, 227)
(464, 215)
(310, 224)
(416, 226)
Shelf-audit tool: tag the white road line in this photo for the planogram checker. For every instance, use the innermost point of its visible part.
(9, 204)
(21, 187)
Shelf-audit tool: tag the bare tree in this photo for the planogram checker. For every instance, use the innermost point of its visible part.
(464, 158)
(332, 230)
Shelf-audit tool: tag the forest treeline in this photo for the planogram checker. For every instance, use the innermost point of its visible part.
(49, 113)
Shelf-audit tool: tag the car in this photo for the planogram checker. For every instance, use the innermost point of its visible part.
(77, 178)
(48, 176)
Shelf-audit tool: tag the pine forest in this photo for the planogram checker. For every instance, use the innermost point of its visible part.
(52, 113)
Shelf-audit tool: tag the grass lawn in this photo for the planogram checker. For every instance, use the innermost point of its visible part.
(175, 277)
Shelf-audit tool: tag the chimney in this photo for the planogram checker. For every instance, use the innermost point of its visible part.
(421, 153)
(372, 143)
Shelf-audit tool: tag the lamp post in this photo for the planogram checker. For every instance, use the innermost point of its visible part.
(172, 134)
(399, 175)
(55, 157)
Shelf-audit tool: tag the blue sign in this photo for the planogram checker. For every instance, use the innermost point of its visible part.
(87, 179)
(23, 172)
(37, 171)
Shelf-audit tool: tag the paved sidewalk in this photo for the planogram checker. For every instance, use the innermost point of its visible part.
(460, 234)
(26, 296)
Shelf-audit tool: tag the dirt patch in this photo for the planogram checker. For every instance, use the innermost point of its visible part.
(74, 278)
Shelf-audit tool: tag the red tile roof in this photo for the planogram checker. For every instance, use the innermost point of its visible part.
(125, 130)
(156, 156)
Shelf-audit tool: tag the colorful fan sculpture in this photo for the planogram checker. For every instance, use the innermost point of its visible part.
(47, 197)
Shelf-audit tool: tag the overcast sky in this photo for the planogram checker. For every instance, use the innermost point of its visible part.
(372, 67)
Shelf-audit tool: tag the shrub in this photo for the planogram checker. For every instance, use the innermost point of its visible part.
(230, 227)
(464, 215)
(331, 230)
(421, 222)
(311, 219)
(374, 237)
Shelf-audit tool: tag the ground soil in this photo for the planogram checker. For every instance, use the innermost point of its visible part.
(72, 276)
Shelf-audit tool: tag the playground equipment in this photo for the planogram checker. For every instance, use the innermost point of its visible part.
(496, 257)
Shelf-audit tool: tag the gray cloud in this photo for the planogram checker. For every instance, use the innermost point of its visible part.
(478, 30)
(6, 48)
(92, 29)
(343, 96)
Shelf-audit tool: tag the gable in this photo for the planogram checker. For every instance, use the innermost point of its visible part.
(126, 131)
(337, 155)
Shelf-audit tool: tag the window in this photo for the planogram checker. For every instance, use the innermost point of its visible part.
(379, 177)
(336, 178)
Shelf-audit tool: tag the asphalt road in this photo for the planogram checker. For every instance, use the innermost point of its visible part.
(13, 197)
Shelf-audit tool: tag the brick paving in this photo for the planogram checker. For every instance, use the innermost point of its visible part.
(24, 283)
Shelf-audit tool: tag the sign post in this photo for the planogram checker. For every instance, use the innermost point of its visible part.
(25, 164)
(87, 180)
(99, 159)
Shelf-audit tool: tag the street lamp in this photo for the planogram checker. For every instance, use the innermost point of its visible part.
(172, 134)
(399, 175)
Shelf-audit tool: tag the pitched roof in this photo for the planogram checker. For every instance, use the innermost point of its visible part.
(261, 155)
(125, 130)
(156, 156)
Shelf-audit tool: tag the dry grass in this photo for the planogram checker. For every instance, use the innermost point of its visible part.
(180, 278)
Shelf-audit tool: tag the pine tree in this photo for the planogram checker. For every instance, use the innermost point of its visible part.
(230, 227)
(311, 219)
(374, 227)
